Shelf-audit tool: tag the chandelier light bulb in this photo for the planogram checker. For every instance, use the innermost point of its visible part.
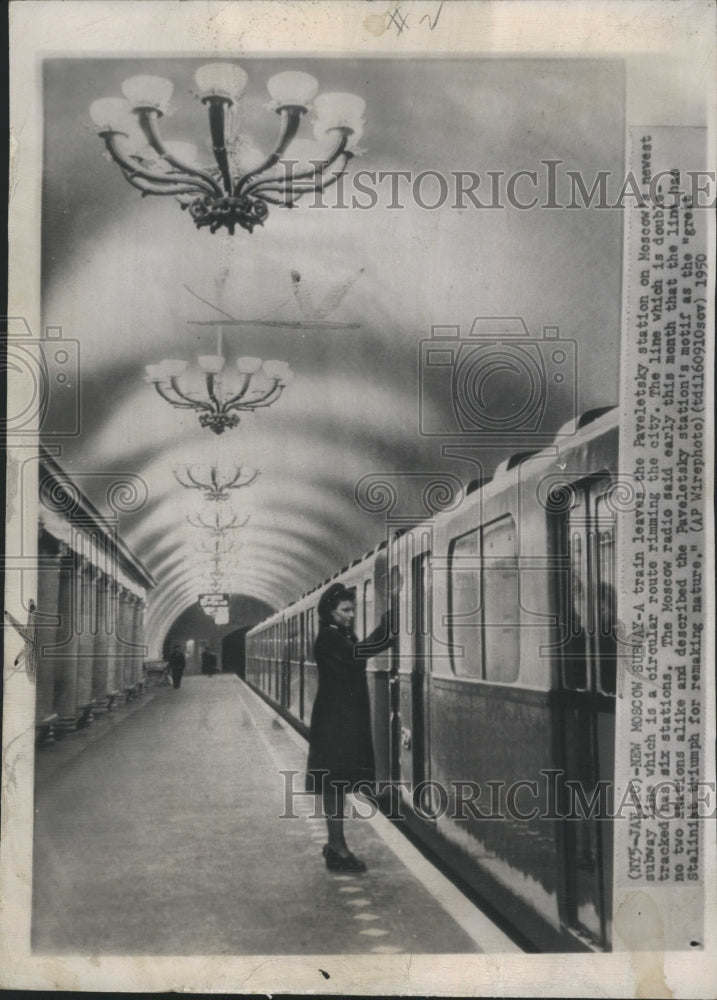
(279, 370)
(224, 80)
(249, 366)
(340, 110)
(112, 113)
(293, 89)
(155, 373)
(211, 364)
(148, 92)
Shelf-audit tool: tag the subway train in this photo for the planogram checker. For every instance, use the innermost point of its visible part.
(494, 712)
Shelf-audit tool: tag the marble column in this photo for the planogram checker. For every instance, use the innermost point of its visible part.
(125, 636)
(137, 639)
(64, 654)
(85, 645)
(114, 678)
(100, 651)
(48, 596)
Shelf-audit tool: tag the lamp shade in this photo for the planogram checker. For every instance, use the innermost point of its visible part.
(293, 88)
(222, 616)
(248, 366)
(112, 113)
(148, 92)
(172, 368)
(210, 364)
(279, 370)
(226, 80)
(340, 109)
(154, 373)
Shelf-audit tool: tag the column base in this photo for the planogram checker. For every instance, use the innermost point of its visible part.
(100, 706)
(64, 725)
(45, 730)
(86, 717)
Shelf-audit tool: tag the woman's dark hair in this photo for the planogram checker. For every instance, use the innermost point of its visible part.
(330, 599)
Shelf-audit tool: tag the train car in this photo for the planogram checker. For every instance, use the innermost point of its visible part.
(493, 715)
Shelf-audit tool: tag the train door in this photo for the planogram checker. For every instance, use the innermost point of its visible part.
(587, 674)
(421, 620)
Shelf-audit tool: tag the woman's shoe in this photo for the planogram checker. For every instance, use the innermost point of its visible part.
(336, 862)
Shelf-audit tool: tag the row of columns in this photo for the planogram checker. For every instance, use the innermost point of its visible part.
(90, 631)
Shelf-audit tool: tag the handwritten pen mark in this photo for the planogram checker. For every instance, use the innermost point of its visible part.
(398, 20)
(434, 22)
(29, 634)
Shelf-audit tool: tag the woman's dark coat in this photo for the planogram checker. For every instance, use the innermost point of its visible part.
(340, 740)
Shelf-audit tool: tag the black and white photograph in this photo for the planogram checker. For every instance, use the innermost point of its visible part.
(358, 604)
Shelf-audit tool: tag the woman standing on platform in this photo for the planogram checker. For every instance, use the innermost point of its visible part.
(340, 741)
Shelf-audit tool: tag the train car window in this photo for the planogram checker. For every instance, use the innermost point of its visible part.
(588, 598)
(575, 669)
(606, 594)
(310, 634)
(464, 605)
(501, 601)
(368, 612)
(291, 638)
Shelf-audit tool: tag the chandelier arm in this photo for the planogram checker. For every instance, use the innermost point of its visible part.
(194, 404)
(210, 392)
(293, 194)
(162, 179)
(216, 127)
(147, 188)
(148, 123)
(339, 150)
(270, 397)
(234, 485)
(173, 402)
(230, 484)
(195, 482)
(290, 121)
(230, 404)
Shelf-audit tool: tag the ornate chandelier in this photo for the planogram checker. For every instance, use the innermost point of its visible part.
(216, 484)
(260, 384)
(242, 183)
(218, 526)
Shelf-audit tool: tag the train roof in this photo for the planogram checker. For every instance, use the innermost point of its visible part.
(567, 432)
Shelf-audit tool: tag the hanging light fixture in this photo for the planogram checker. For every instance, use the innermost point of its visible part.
(259, 384)
(218, 526)
(216, 484)
(238, 188)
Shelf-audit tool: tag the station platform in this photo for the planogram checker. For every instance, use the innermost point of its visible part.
(158, 832)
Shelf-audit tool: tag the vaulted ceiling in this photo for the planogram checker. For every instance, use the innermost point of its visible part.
(125, 275)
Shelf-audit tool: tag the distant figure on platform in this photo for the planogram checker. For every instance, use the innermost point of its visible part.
(177, 663)
(340, 744)
(209, 662)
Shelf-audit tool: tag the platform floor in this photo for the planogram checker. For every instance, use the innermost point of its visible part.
(158, 833)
